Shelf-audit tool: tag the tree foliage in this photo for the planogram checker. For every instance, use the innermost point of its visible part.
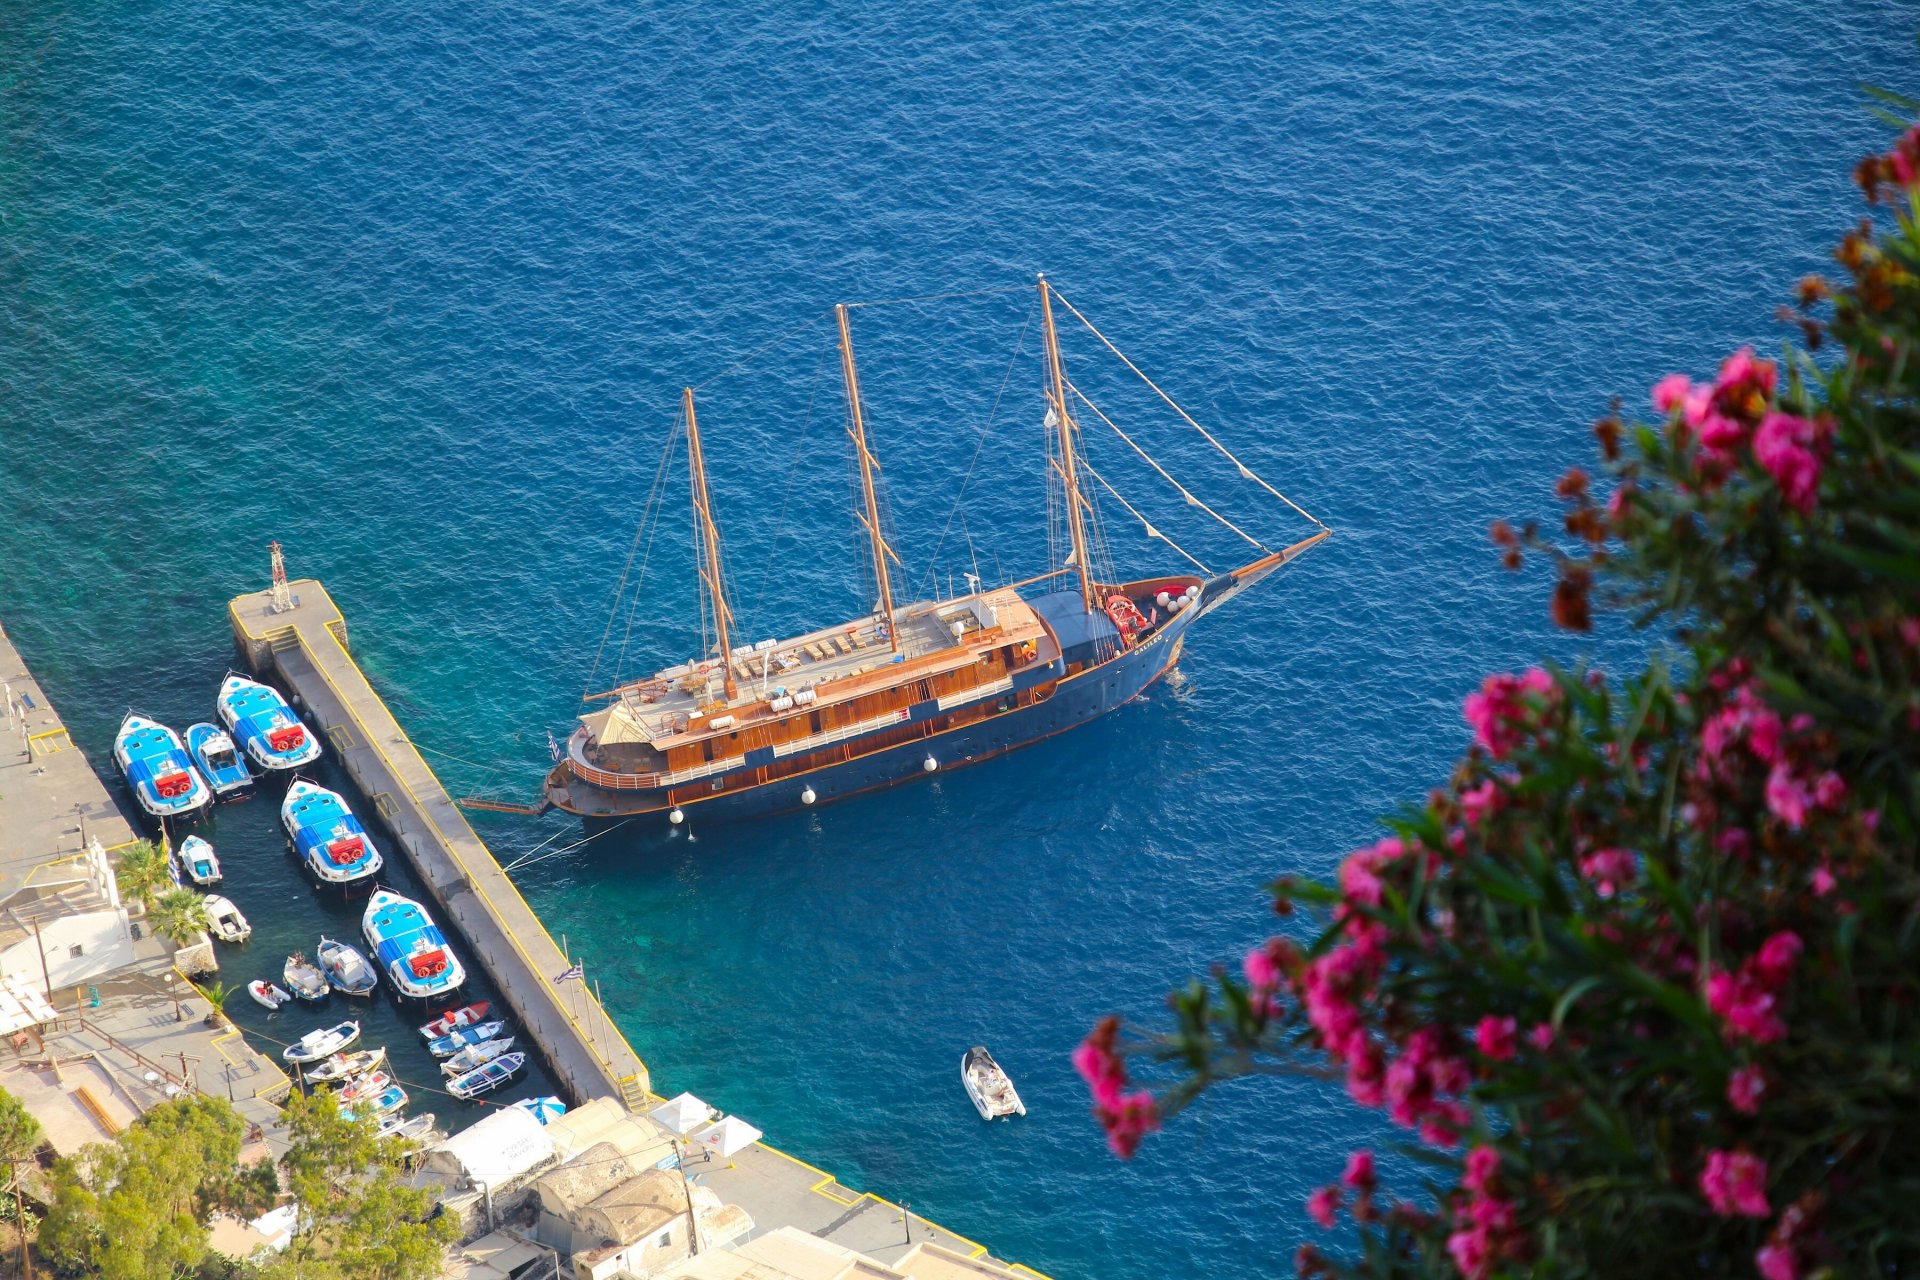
(180, 916)
(1644, 975)
(142, 873)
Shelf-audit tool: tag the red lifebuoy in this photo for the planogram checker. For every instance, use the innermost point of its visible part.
(172, 786)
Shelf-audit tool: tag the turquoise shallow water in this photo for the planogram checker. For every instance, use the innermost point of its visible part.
(415, 291)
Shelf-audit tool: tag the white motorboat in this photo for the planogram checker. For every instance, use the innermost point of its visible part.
(305, 978)
(264, 992)
(487, 1077)
(465, 1016)
(454, 1041)
(196, 858)
(992, 1092)
(346, 968)
(228, 924)
(475, 1054)
(409, 1129)
(342, 1066)
(322, 1043)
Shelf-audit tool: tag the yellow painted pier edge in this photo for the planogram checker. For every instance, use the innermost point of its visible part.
(263, 637)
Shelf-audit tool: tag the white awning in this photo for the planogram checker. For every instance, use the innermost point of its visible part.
(494, 1151)
(683, 1114)
(729, 1136)
(614, 725)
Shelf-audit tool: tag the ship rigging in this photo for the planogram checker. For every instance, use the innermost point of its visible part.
(750, 729)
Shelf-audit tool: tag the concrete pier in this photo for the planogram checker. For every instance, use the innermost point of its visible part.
(306, 646)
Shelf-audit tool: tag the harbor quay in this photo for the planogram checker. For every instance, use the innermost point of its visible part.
(100, 1021)
(297, 633)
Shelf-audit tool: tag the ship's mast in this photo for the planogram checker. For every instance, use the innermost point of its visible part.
(857, 428)
(709, 541)
(1069, 469)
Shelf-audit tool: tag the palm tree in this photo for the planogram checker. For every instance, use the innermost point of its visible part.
(142, 873)
(180, 916)
(217, 994)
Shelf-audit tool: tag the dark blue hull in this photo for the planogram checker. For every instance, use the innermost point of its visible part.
(1075, 700)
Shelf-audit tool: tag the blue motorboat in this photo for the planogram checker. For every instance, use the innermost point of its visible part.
(157, 766)
(409, 948)
(264, 725)
(326, 835)
(219, 761)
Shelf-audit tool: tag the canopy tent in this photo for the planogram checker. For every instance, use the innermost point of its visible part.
(494, 1151)
(729, 1136)
(614, 725)
(683, 1114)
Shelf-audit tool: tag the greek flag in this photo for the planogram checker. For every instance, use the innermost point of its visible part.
(553, 747)
(578, 971)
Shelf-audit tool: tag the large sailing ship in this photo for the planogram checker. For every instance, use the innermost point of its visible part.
(909, 689)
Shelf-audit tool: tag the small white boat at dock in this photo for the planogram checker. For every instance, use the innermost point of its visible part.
(343, 1066)
(305, 978)
(322, 1043)
(475, 1054)
(228, 924)
(196, 860)
(454, 1041)
(987, 1084)
(407, 1129)
(265, 993)
(347, 969)
(487, 1077)
(464, 1016)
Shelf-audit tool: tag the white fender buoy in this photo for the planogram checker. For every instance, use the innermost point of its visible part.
(677, 816)
(808, 796)
(1162, 599)
(929, 764)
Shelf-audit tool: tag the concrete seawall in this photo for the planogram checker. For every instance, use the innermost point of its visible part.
(306, 646)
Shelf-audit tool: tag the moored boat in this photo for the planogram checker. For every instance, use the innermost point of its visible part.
(465, 1016)
(219, 761)
(228, 924)
(321, 1043)
(159, 770)
(346, 968)
(409, 947)
(454, 1041)
(195, 859)
(409, 1129)
(386, 1102)
(751, 729)
(487, 1077)
(327, 836)
(305, 978)
(342, 1066)
(264, 725)
(987, 1084)
(364, 1085)
(474, 1054)
(265, 993)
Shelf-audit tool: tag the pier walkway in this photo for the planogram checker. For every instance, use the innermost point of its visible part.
(307, 647)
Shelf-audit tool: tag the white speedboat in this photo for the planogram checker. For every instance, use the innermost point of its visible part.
(992, 1092)
(342, 1066)
(305, 978)
(475, 1054)
(266, 993)
(196, 860)
(228, 924)
(322, 1043)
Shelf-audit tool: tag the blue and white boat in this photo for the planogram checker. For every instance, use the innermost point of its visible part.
(454, 1041)
(159, 770)
(409, 948)
(220, 762)
(346, 968)
(264, 725)
(196, 858)
(487, 1077)
(326, 835)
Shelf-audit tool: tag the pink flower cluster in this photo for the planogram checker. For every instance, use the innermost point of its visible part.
(1506, 708)
(1737, 411)
(1360, 1179)
(1735, 1184)
(1485, 1226)
(1127, 1117)
(1747, 1001)
(1610, 870)
(1793, 790)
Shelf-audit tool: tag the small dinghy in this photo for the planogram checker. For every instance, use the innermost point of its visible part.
(992, 1092)
(475, 1054)
(228, 924)
(487, 1077)
(326, 835)
(365, 1085)
(323, 1043)
(220, 762)
(386, 1102)
(304, 978)
(346, 968)
(454, 1041)
(196, 860)
(264, 725)
(407, 1129)
(409, 947)
(266, 993)
(543, 1109)
(343, 1066)
(465, 1016)
(159, 770)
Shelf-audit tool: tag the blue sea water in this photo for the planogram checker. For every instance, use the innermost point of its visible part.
(414, 290)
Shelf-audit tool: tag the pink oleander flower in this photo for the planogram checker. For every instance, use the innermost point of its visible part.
(1262, 970)
(1745, 1088)
(1788, 796)
(1745, 1006)
(1478, 802)
(1822, 881)
(1784, 445)
(1829, 791)
(1776, 1262)
(1483, 1165)
(1101, 1065)
(1472, 1252)
(1610, 870)
(1128, 1121)
(1499, 711)
(1670, 392)
(1322, 1204)
(1495, 1037)
(1359, 1174)
(1735, 1184)
(1541, 1037)
(1777, 956)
